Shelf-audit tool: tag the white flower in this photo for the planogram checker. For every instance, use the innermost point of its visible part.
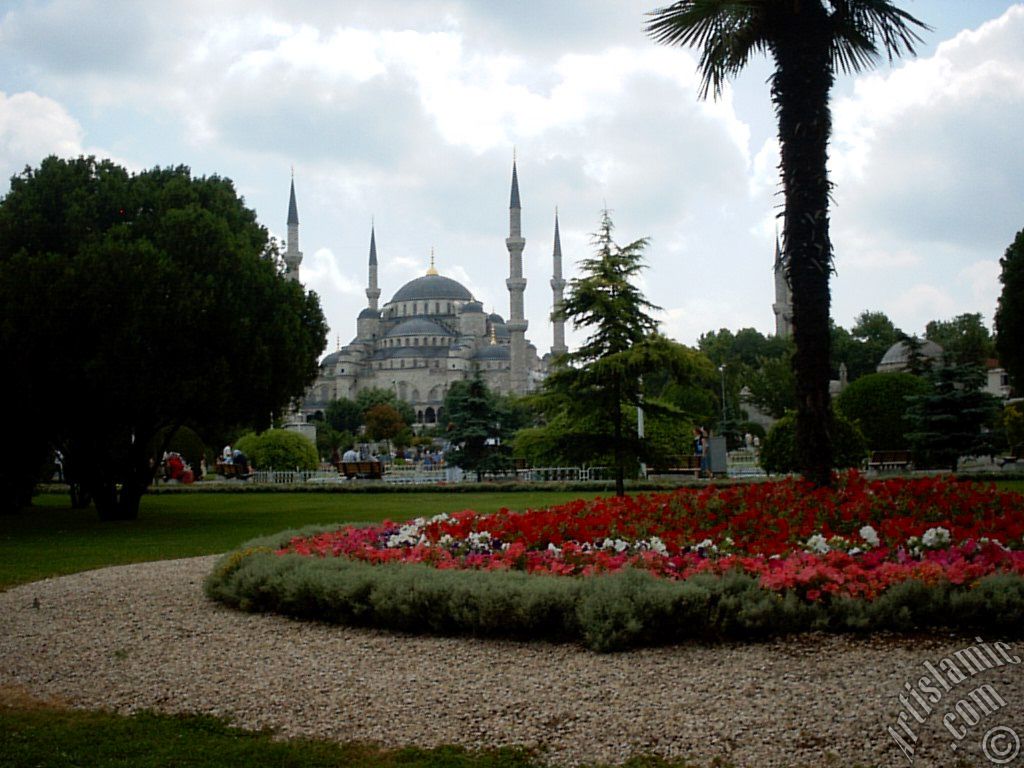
(553, 549)
(707, 544)
(657, 545)
(870, 535)
(817, 544)
(621, 546)
(934, 538)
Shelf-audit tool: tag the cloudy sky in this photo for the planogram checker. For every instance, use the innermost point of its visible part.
(407, 114)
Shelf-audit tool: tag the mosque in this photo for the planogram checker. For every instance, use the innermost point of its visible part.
(434, 332)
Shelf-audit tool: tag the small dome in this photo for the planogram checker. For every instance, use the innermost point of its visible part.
(419, 326)
(432, 287)
(898, 355)
(493, 352)
(473, 306)
(494, 317)
(369, 314)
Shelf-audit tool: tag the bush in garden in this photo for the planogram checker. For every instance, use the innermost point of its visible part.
(778, 449)
(877, 403)
(279, 449)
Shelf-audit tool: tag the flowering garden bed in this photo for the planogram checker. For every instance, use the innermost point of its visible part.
(744, 561)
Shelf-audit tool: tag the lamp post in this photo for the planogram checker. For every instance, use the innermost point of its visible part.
(721, 369)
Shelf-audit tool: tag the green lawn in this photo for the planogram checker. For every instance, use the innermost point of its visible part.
(51, 539)
(31, 736)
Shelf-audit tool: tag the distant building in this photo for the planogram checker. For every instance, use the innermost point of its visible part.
(897, 357)
(434, 332)
(783, 304)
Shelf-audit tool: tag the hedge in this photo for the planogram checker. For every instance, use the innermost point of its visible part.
(605, 613)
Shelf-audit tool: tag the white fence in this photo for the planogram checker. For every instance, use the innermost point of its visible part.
(411, 474)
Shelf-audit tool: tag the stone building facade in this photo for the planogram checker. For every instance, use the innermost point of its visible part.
(434, 332)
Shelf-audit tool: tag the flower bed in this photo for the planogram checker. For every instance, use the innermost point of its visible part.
(857, 556)
(855, 541)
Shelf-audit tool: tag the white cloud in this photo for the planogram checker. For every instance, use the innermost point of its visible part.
(32, 127)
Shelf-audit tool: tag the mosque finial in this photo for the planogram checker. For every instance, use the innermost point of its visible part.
(494, 336)
(432, 270)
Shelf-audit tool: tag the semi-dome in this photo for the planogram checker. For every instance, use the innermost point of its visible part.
(369, 314)
(419, 326)
(432, 287)
(897, 357)
(493, 352)
(331, 359)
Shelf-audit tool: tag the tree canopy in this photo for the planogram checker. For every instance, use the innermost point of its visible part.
(965, 340)
(1010, 313)
(134, 302)
(597, 388)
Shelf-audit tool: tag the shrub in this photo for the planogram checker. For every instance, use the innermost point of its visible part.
(778, 450)
(279, 449)
(877, 404)
(608, 612)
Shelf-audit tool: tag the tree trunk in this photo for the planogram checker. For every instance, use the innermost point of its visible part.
(620, 469)
(800, 90)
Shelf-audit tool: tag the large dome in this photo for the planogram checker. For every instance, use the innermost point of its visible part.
(432, 287)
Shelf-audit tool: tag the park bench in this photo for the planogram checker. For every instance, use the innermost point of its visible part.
(1013, 457)
(686, 465)
(229, 471)
(889, 460)
(362, 470)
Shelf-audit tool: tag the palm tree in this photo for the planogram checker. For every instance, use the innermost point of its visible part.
(808, 40)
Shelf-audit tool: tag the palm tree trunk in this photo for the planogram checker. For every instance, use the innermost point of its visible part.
(800, 90)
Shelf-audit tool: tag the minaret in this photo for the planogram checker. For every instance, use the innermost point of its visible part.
(783, 306)
(558, 347)
(292, 255)
(372, 291)
(516, 283)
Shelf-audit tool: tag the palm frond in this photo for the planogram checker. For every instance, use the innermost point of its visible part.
(726, 32)
(863, 29)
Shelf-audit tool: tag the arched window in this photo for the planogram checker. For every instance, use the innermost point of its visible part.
(429, 416)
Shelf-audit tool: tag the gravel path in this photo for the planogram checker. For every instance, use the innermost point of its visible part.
(144, 637)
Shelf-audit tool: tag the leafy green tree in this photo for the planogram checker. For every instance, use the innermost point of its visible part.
(772, 386)
(130, 303)
(1013, 425)
(948, 421)
(474, 430)
(344, 415)
(809, 41)
(779, 453)
(599, 386)
(1010, 312)
(864, 345)
(279, 449)
(384, 422)
(965, 340)
(878, 404)
(368, 398)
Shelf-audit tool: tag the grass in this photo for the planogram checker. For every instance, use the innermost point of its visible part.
(41, 735)
(51, 539)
